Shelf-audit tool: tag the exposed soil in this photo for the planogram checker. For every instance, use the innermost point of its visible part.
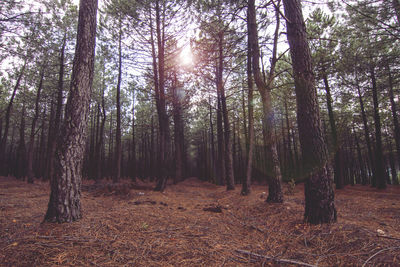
(196, 223)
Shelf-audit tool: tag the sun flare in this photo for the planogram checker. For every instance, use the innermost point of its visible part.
(186, 56)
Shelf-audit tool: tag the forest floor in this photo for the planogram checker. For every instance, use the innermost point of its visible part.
(196, 223)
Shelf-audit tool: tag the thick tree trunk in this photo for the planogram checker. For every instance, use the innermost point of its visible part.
(319, 195)
(64, 204)
(379, 163)
(264, 86)
(30, 172)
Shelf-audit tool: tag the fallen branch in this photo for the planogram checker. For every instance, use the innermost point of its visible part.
(274, 259)
(388, 236)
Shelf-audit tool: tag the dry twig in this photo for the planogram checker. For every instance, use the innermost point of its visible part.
(274, 259)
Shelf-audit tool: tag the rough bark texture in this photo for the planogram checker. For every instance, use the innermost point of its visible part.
(264, 86)
(64, 204)
(319, 195)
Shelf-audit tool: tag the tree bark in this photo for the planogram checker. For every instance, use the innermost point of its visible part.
(118, 145)
(3, 141)
(338, 175)
(64, 204)
(246, 186)
(394, 115)
(264, 87)
(230, 180)
(379, 162)
(20, 171)
(366, 135)
(30, 172)
(54, 130)
(319, 195)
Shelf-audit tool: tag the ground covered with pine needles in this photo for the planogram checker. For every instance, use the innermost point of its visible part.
(196, 223)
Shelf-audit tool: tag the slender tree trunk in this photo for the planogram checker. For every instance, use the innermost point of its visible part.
(379, 163)
(230, 182)
(367, 136)
(3, 141)
(33, 129)
(161, 101)
(118, 145)
(213, 154)
(394, 115)
(338, 175)
(264, 86)
(55, 129)
(396, 6)
(319, 195)
(178, 134)
(64, 204)
(20, 171)
(250, 138)
(134, 164)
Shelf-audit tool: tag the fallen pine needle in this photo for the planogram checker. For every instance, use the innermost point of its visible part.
(380, 251)
(274, 259)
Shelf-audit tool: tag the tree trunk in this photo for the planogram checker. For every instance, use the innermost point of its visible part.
(319, 195)
(118, 145)
(230, 182)
(33, 129)
(394, 115)
(221, 147)
(64, 204)
(250, 138)
(264, 87)
(161, 102)
(54, 131)
(20, 171)
(134, 167)
(396, 6)
(3, 141)
(338, 175)
(379, 163)
(367, 137)
(178, 131)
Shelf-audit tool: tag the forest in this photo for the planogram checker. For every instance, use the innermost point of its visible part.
(199, 132)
